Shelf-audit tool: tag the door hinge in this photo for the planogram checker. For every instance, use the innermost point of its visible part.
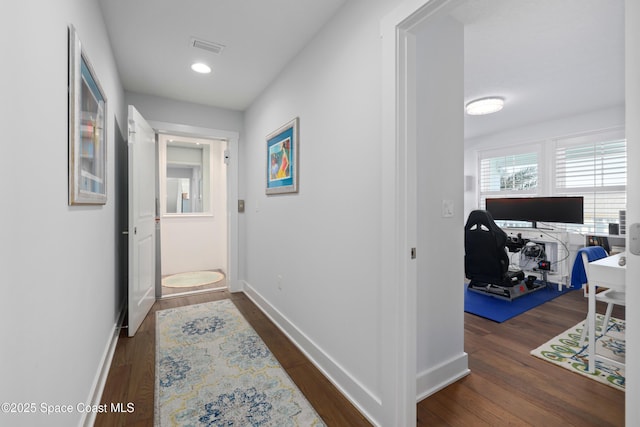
(227, 156)
(130, 128)
(413, 253)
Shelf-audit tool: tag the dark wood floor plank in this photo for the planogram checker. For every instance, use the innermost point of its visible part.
(548, 392)
(527, 410)
(428, 417)
(448, 407)
(481, 406)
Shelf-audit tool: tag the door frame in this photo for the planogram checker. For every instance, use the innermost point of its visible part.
(399, 206)
(232, 138)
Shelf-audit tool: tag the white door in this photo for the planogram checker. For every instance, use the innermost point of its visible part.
(142, 214)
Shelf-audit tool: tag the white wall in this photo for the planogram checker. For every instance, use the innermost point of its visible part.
(313, 258)
(441, 358)
(158, 109)
(60, 297)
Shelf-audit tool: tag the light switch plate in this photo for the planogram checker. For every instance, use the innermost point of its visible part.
(447, 208)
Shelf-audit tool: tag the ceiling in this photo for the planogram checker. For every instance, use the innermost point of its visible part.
(151, 42)
(547, 58)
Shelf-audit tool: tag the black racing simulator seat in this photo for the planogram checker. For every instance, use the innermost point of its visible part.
(486, 262)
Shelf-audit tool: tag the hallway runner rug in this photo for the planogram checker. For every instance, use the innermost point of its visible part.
(212, 369)
(565, 351)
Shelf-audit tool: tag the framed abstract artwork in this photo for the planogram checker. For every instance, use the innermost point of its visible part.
(87, 129)
(282, 159)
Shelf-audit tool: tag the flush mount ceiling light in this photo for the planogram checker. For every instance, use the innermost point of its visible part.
(483, 106)
(199, 67)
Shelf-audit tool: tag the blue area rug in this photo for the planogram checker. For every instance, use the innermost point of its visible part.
(500, 310)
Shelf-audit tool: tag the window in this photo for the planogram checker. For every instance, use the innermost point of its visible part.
(514, 174)
(594, 166)
(509, 174)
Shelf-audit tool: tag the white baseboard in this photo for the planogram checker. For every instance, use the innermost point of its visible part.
(89, 418)
(362, 398)
(440, 376)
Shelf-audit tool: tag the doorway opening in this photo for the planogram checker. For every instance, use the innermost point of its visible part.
(399, 125)
(194, 237)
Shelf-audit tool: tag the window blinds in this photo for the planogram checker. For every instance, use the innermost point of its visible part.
(596, 170)
(509, 174)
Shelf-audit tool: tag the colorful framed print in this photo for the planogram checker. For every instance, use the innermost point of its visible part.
(87, 130)
(282, 159)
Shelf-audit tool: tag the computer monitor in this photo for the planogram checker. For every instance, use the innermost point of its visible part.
(537, 209)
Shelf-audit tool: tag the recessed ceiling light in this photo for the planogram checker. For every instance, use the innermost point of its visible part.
(483, 106)
(199, 67)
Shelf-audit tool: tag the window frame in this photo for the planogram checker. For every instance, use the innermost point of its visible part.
(515, 150)
(612, 135)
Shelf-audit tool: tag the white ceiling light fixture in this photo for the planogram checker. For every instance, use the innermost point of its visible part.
(200, 67)
(479, 107)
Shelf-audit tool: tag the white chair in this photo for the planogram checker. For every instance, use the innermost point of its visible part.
(609, 296)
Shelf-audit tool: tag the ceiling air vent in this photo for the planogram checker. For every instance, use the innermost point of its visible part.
(207, 45)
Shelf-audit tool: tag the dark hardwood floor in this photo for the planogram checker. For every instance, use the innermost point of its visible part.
(507, 386)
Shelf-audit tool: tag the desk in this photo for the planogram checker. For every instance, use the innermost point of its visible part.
(603, 272)
(556, 245)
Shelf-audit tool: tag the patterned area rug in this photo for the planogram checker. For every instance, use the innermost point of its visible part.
(565, 351)
(212, 369)
(191, 279)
